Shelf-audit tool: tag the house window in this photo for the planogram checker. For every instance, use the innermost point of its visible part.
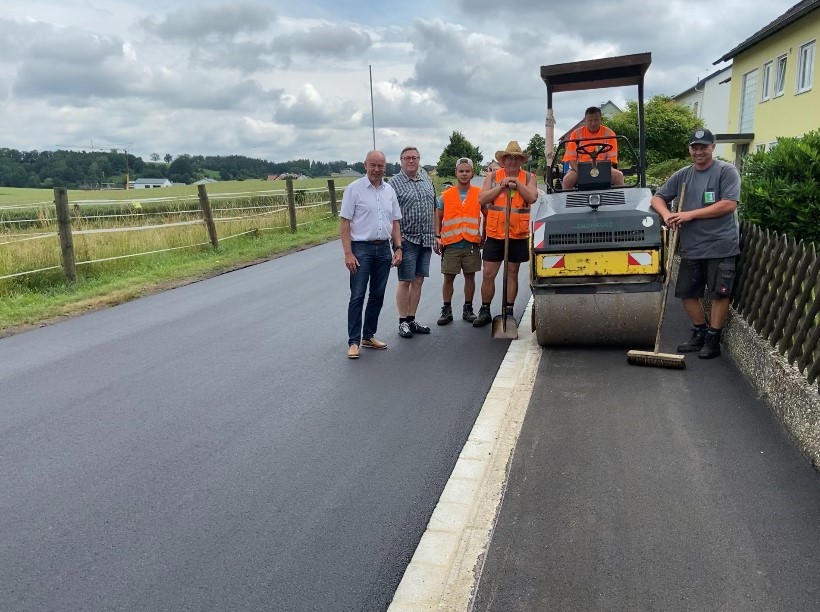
(759, 148)
(765, 77)
(780, 76)
(805, 67)
(747, 103)
(772, 144)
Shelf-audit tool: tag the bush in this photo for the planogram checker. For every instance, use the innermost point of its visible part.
(657, 174)
(780, 188)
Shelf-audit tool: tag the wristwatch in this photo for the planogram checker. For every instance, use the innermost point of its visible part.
(397, 247)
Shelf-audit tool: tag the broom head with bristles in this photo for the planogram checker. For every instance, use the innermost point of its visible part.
(657, 360)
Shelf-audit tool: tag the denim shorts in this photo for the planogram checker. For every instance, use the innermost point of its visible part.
(415, 261)
(694, 275)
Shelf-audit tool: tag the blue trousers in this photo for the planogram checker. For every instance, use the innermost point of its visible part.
(373, 270)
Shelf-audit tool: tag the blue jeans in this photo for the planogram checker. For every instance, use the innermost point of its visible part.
(374, 268)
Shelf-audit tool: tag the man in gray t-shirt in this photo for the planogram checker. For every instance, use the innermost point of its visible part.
(709, 238)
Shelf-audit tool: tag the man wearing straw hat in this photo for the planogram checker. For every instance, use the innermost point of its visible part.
(513, 183)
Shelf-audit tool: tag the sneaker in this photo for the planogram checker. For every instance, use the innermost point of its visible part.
(404, 330)
(711, 347)
(446, 315)
(353, 351)
(695, 343)
(374, 344)
(483, 317)
(468, 314)
(417, 328)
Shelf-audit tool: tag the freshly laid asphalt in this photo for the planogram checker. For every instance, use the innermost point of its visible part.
(212, 448)
(648, 489)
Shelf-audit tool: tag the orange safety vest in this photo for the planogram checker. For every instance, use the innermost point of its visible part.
(461, 220)
(519, 211)
(605, 135)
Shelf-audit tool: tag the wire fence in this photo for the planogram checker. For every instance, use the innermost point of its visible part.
(97, 231)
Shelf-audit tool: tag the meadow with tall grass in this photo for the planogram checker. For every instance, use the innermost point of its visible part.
(127, 243)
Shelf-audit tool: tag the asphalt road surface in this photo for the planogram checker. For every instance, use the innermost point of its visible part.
(212, 448)
(648, 489)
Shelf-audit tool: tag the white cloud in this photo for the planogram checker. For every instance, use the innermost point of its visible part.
(263, 79)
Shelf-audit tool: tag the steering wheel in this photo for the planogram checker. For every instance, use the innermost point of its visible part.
(600, 149)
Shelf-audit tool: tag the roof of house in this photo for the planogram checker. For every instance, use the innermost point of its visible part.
(701, 81)
(150, 181)
(786, 19)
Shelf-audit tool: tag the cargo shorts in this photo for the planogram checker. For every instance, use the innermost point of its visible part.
(695, 275)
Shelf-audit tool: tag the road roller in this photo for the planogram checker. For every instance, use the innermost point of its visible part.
(596, 251)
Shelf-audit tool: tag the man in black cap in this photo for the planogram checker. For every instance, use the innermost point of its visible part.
(709, 238)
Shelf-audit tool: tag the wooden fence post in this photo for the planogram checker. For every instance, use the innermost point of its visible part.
(64, 229)
(331, 189)
(205, 205)
(291, 204)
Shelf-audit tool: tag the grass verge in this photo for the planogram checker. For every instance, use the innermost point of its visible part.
(48, 298)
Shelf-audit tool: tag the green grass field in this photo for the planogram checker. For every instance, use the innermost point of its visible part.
(12, 196)
(146, 245)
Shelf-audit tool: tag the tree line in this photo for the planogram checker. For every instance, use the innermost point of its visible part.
(667, 127)
(89, 170)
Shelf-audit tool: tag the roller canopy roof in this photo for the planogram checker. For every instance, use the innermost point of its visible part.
(618, 71)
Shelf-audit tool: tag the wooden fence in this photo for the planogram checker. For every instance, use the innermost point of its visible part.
(289, 203)
(778, 293)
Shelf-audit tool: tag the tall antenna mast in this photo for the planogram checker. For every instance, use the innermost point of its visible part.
(372, 113)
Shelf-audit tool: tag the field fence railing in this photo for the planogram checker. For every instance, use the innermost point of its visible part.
(69, 221)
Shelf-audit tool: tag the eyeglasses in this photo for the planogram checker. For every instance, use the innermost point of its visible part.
(410, 158)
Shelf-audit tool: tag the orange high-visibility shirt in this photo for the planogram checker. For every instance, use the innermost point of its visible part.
(519, 211)
(604, 135)
(461, 220)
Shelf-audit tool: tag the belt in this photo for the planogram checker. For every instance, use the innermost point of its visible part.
(372, 241)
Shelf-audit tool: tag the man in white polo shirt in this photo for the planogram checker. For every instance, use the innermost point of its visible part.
(369, 219)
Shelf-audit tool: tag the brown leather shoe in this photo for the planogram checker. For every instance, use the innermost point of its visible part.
(374, 344)
(353, 351)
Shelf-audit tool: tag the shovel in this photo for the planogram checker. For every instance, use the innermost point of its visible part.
(505, 327)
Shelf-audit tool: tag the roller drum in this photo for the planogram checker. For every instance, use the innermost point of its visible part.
(595, 319)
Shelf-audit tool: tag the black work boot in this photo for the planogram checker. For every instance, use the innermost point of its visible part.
(418, 328)
(696, 342)
(468, 314)
(483, 317)
(446, 315)
(711, 345)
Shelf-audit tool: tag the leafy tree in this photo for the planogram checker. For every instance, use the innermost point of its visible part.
(154, 157)
(181, 169)
(535, 147)
(668, 126)
(780, 188)
(168, 157)
(458, 147)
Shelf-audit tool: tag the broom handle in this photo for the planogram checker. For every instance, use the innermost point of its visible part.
(673, 244)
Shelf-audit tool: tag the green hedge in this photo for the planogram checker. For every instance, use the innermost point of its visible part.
(780, 188)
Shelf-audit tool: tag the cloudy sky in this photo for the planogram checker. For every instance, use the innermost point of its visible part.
(283, 80)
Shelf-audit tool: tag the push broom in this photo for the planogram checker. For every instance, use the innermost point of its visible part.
(654, 358)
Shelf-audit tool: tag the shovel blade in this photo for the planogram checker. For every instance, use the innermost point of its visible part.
(505, 327)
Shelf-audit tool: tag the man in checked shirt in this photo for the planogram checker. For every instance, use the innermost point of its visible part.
(417, 201)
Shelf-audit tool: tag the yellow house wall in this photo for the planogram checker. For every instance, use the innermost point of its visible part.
(789, 114)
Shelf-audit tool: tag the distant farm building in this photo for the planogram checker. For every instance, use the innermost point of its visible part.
(284, 175)
(149, 183)
(350, 172)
